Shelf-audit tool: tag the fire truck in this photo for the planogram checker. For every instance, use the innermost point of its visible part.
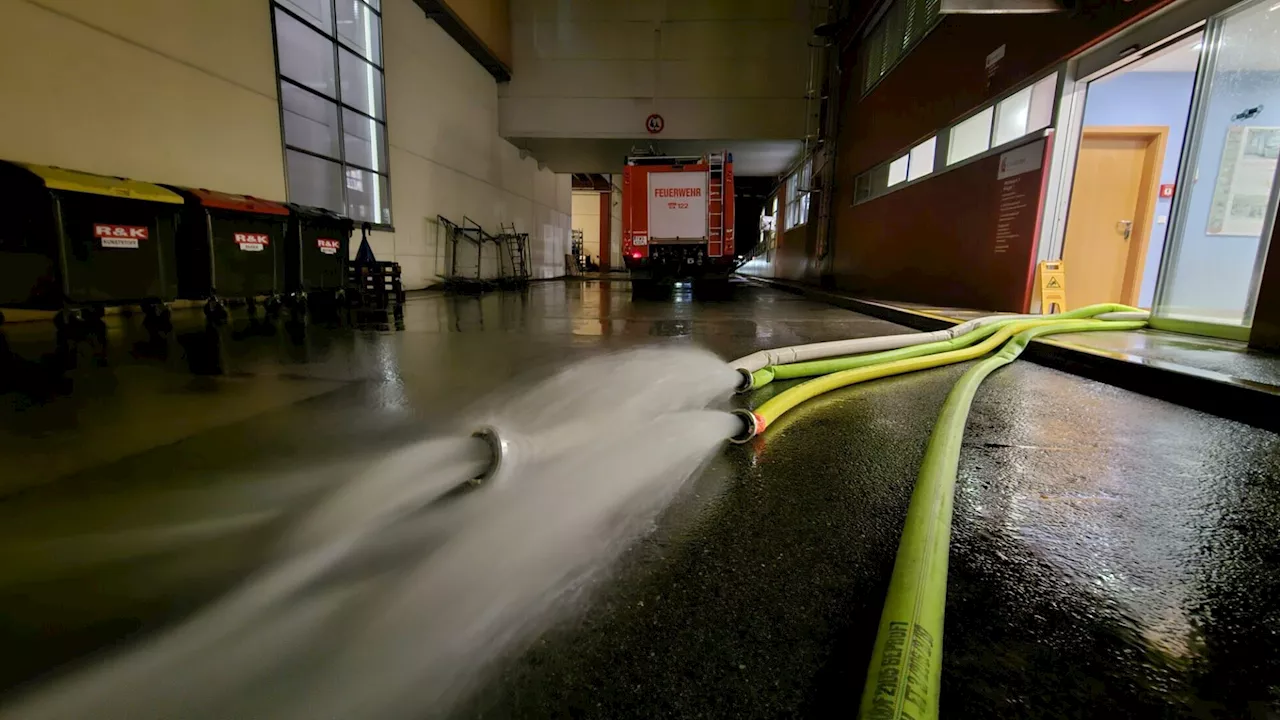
(677, 219)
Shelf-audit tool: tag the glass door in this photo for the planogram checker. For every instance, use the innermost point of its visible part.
(1225, 198)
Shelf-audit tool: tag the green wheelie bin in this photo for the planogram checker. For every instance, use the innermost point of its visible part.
(75, 242)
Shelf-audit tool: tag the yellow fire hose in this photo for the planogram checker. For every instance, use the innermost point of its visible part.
(905, 673)
(790, 398)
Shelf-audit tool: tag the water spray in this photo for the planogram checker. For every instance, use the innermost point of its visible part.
(455, 582)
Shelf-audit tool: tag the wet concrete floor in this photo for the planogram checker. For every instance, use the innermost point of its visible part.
(1113, 555)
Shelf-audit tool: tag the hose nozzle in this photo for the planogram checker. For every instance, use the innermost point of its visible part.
(752, 425)
(499, 446)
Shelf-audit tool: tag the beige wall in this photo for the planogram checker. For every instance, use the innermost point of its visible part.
(447, 158)
(184, 92)
(490, 20)
(714, 69)
(615, 225)
(178, 91)
(586, 217)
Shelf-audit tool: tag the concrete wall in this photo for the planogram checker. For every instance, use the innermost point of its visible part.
(178, 92)
(586, 217)
(185, 92)
(615, 223)
(448, 159)
(490, 20)
(714, 69)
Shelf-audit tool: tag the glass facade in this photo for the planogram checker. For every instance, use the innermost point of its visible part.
(333, 106)
(1226, 200)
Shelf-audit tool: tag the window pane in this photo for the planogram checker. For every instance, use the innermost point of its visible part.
(1224, 221)
(367, 197)
(898, 171)
(375, 4)
(1011, 116)
(361, 29)
(315, 12)
(366, 141)
(313, 181)
(893, 26)
(310, 122)
(970, 137)
(911, 22)
(922, 158)
(875, 51)
(1042, 96)
(361, 84)
(306, 57)
(862, 187)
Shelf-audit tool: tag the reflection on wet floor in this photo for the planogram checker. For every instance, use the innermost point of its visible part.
(1113, 555)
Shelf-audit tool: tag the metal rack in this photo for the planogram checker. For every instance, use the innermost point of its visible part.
(516, 245)
(466, 245)
(576, 250)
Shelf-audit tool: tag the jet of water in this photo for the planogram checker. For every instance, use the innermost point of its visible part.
(393, 596)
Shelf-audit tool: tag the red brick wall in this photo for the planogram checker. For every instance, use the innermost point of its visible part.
(940, 242)
(941, 79)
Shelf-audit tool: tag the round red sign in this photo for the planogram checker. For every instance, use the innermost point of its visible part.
(654, 123)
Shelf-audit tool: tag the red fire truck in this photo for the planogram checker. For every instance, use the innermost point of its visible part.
(677, 218)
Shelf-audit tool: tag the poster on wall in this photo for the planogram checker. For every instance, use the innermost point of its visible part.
(1243, 188)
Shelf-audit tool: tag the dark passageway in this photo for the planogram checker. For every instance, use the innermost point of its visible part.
(1113, 555)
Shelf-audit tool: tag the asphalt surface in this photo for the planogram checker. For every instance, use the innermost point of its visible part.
(1112, 556)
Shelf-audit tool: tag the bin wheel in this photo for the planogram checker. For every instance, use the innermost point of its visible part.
(251, 305)
(273, 303)
(298, 300)
(65, 318)
(94, 314)
(339, 296)
(156, 313)
(215, 310)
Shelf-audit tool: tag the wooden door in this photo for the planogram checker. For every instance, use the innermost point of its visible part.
(1112, 200)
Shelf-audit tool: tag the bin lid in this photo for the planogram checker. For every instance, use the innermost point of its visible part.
(242, 203)
(319, 212)
(56, 178)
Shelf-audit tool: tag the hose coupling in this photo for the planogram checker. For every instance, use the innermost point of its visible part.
(745, 385)
(752, 425)
(499, 446)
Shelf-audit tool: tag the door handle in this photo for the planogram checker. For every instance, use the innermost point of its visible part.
(1125, 227)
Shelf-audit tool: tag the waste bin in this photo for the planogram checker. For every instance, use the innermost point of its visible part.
(229, 246)
(316, 252)
(76, 242)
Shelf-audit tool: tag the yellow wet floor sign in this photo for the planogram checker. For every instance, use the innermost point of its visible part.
(1053, 286)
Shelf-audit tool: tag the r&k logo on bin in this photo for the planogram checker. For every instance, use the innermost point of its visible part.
(327, 246)
(252, 242)
(120, 236)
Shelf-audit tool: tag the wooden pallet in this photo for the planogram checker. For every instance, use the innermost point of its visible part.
(375, 285)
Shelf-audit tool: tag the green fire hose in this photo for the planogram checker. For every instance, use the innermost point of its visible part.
(905, 675)
(812, 368)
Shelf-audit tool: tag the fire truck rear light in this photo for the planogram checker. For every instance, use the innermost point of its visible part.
(637, 255)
